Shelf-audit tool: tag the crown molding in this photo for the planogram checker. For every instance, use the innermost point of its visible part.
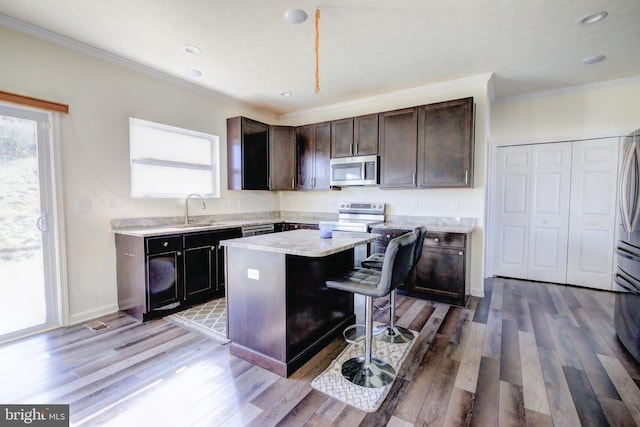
(480, 78)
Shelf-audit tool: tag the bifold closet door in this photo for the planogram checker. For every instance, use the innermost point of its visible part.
(593, 213)
(532, 211)
(549, 220)
(511, 211)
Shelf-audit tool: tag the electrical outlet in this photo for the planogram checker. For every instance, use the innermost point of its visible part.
(252, 273)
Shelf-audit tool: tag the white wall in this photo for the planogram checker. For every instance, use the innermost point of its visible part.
(599, 110)
(95, 150)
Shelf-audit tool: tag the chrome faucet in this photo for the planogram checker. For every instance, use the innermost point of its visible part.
(186, 206)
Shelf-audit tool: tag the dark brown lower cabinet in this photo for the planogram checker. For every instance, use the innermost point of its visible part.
(443, 272)
(163, 274)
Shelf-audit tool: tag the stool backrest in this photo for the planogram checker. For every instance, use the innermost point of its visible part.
(398, 261)
(421, 233)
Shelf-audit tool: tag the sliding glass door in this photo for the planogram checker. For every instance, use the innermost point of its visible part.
(29, 300)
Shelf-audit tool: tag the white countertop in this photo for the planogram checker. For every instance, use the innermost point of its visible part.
(433, 224)
(302, 242)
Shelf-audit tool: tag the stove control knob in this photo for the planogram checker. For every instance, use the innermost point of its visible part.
(347, 205)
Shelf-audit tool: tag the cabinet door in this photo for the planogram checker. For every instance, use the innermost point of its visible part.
(398, 139)
(255, 155)
(365, 135)
(440, 272)
(593, 213)
(304, 149)
(164, 280)
(282, 156)
(322, 154)
(445, 144)
(199, 272)
(342, 138)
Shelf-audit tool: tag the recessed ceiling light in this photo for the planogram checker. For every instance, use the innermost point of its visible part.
(593, 59)
(286, 93)
(593, 18)
(295, 16)
(191, 50)
(194, 73)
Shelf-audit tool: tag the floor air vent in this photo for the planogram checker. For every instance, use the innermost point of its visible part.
(96, 325)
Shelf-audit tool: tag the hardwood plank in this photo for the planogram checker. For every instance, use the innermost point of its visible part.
(590, 332)
(546, 302)
(534, 388)
(616, 412)
(589, 410)
(511, 410)
(435, 407)
(304, 410)
(566, 352)
(564, 312)
(493, 334)
(459, 336)
(460, 408)
(383, 415)
(563, 411)
(510, 370)
(482, 309)
(591, 365)
(541, 330)
(421, 381)
(536, 419)
(521, 307)
(487, 401)
(626, 387)
(467, 378)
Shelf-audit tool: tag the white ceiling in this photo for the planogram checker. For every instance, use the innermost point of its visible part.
(367, 47)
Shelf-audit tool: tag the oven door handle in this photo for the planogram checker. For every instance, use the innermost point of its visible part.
(627, 254)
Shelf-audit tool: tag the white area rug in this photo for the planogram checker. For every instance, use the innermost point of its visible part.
(332, 383)
(209, 318)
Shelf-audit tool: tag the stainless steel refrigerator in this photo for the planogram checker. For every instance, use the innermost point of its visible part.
(627, 304)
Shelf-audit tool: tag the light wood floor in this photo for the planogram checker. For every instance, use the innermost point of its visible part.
(526, 354)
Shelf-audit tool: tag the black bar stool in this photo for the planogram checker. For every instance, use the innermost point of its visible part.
(393, 333)
(367, 371)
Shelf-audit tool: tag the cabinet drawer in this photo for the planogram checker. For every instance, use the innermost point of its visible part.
(156, 245)
(388, 234)
(209, 238)
(450, 240)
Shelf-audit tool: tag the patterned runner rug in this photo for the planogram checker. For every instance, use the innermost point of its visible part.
(332, 383)
(209, 318)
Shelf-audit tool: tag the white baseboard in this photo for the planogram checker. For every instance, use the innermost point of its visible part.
(84, 316)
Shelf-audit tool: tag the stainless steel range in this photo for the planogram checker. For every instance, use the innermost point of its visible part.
(357, 217)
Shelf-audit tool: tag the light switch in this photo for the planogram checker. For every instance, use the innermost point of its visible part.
(252, 273)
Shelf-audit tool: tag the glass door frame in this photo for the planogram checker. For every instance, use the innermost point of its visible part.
(51, 220)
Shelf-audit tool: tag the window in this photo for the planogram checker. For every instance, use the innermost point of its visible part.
(168, 161)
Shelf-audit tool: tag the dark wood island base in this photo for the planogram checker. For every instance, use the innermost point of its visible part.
(280, 312)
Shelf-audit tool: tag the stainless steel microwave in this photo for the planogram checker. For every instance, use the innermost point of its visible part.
(358, 170)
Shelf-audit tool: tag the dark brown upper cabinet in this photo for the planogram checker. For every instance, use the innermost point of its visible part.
(313, 145)
(445, 144)
(354, 136)
(398, 137)
(247, 154)
(282, 158)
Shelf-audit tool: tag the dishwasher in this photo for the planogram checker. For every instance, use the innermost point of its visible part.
(254, 230)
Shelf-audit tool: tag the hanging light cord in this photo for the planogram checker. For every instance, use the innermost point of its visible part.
(317, 46)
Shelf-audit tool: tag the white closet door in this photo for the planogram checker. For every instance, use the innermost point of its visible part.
(593, 213)
(549, 219)
(511, 238)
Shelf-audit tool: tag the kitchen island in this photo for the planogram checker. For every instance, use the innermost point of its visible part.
(280, 312)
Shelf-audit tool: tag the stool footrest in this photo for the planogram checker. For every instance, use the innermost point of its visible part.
(374, 374)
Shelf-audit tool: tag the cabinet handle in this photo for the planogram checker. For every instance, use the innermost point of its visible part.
(178, 253)
(466, 176)
(351, 149)
(165, 244)
(269, 182)
(460, 253)
(293, 183)
(213, 248)
(356, 144)
(413, 178)
(436, 239)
